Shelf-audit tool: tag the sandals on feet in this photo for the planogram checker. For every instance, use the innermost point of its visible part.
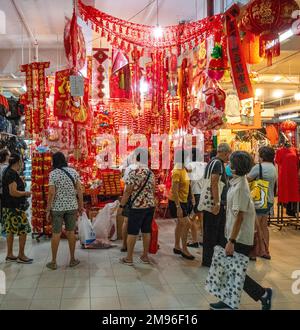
(126, 262)
(52, 265)
(74, 263)
(143, 261)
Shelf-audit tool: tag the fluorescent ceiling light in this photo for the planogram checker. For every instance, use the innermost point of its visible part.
(259, 92)
(297, 96)
(158, 32)
(277, 78)
(278, 93)
(286, 35)
(292, 115)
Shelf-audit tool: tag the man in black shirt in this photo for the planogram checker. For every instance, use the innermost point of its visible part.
(214, 222)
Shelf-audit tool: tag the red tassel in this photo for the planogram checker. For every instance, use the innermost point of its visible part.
(115, 42)
(128, 48)
(114, 27)
(103, 33)
(191, 45)
(127, 30)
(139, 35)
(107, 24)
(142, 52)
(122, 45)
(120, 29)
(108, 37)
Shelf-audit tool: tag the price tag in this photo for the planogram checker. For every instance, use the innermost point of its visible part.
(77, 86)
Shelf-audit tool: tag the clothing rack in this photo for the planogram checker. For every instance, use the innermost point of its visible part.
(281, 221)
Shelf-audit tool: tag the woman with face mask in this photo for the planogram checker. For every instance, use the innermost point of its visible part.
(14, 209)
(239, 229)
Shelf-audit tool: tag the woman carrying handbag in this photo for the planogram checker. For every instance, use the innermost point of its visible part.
(140, 189)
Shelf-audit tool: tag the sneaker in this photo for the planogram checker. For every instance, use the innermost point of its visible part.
(25, 261)
(9, 259)
(267, 301)
(219, 306)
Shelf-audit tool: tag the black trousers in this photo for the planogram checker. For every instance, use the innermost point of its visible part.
(213, 234)
(252, 288)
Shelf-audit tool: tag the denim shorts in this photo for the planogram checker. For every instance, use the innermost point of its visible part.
(68, 217)
(264, 211)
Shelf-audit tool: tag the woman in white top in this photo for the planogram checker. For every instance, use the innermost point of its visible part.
(196, 171)
(240, 222)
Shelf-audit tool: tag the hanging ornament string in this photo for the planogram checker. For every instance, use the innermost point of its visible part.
(118, 31)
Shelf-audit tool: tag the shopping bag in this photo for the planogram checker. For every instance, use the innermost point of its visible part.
(105, 222)
(259, 191)
(206, 202)
(226, 277)
(153, 248)
(86, 231)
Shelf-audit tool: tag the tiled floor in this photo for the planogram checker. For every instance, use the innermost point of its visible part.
(101, 282)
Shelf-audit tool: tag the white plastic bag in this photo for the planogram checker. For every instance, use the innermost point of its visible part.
(86, 231)
(105, 222)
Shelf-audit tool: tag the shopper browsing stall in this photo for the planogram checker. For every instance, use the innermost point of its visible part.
(129, 165)
(14, 205)
(214, 221)
(63, 206)
(196, 171)
(240, 222)
(265, 170)
(178, 204)
(140, 192)
(4, 162)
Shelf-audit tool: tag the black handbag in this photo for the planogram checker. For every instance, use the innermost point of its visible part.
(24, 206)
(131, 201)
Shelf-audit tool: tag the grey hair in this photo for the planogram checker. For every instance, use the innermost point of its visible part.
(224, 147)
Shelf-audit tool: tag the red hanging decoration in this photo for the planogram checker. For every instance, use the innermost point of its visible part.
(100, 57)
(216, 67)
(74, 43)
(35, 97)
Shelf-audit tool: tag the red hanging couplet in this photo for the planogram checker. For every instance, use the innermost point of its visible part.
(237, 60)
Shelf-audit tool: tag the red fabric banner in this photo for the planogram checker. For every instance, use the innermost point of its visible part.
(238, 64)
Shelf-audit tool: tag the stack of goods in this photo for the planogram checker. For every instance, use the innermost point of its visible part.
(41, 167)
(111, 183)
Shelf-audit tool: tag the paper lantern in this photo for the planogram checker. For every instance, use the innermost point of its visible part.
(251, 48)
(268, 18)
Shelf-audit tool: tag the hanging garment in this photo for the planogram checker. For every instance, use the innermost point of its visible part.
(232, 108)
(287, 160)
(272, 134)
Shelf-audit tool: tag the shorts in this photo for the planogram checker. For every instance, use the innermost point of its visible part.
(68, 217)
(264, 211)
(15, 222)
(173, 209)
(140, 220)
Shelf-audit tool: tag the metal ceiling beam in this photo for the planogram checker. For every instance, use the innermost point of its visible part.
(23, 21)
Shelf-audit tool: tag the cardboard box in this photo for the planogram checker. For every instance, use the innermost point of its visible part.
(120, 220)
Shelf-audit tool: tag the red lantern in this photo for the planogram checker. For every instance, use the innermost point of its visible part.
(288, 126)
(268, 18)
